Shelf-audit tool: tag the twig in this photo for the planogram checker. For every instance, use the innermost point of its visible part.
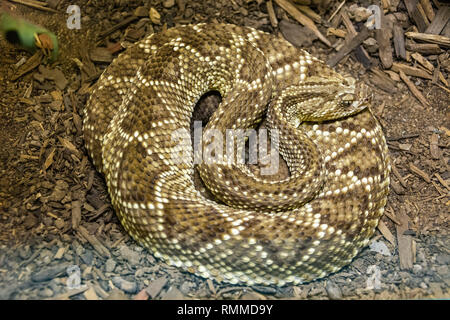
(442, 87)
(414, 89)
(337, 10)
(121, 24)
(406, 136)
(35, 4)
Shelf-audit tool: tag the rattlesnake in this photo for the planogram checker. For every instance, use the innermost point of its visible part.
(295, 230)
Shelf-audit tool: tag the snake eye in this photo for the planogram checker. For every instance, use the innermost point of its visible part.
(347, 99)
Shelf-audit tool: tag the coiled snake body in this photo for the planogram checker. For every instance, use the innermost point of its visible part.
(257, 231)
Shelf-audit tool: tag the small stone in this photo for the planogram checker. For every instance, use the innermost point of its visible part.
(443, 258)
(133, 257)
(29, 221)
(85, 19)
(141, 11)
(380, 247)
(45, 293)
(168, 3)
(421, 256)
(359, 13)
(55, 285)
(442, 270)
(417, 269)
(49, 273)
(186, 287)
(436, 289)
(125, 285)
(117, 294)
(173, 294)
(333, 291)
(139, 273)
(25, 252)
(423, 285)
(87, 257)
(110, 265)
(59, 223)
(48, 222)
(188, 13)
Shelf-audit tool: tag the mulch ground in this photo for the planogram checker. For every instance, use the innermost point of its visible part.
(57, 223)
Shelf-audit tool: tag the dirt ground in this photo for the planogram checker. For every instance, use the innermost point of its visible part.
(54, 208)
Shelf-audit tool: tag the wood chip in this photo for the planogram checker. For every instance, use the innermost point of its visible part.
(405, 242)
(411, 71)
(416, 16)
(101, 55)
(154, 15)
(90, 294)
(398, 175)
(414, 89)
(399, 41)
(349, 47)
(393, 75)
(384, 44)
(76, 214)
(386, 233)
(155, 287)
(59, 254)
(33, 62)
(431, 38)
(422, 61)
(141, 295)
(304, 20)
(211, 287)
(419, 172)
(440, 20)
(423, 15)
(434, 147)
(49, 160)
(272, 17)
(424, 48)
(428, 9)
(337, 32)
(69, 146)
(442, 181)
(398, 189)
(310, 13)
(96, 244)
(382, 81)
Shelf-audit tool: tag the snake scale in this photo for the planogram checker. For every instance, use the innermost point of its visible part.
(256, 231)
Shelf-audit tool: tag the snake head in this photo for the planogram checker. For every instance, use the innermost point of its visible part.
(353, 96)
(325, 98)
